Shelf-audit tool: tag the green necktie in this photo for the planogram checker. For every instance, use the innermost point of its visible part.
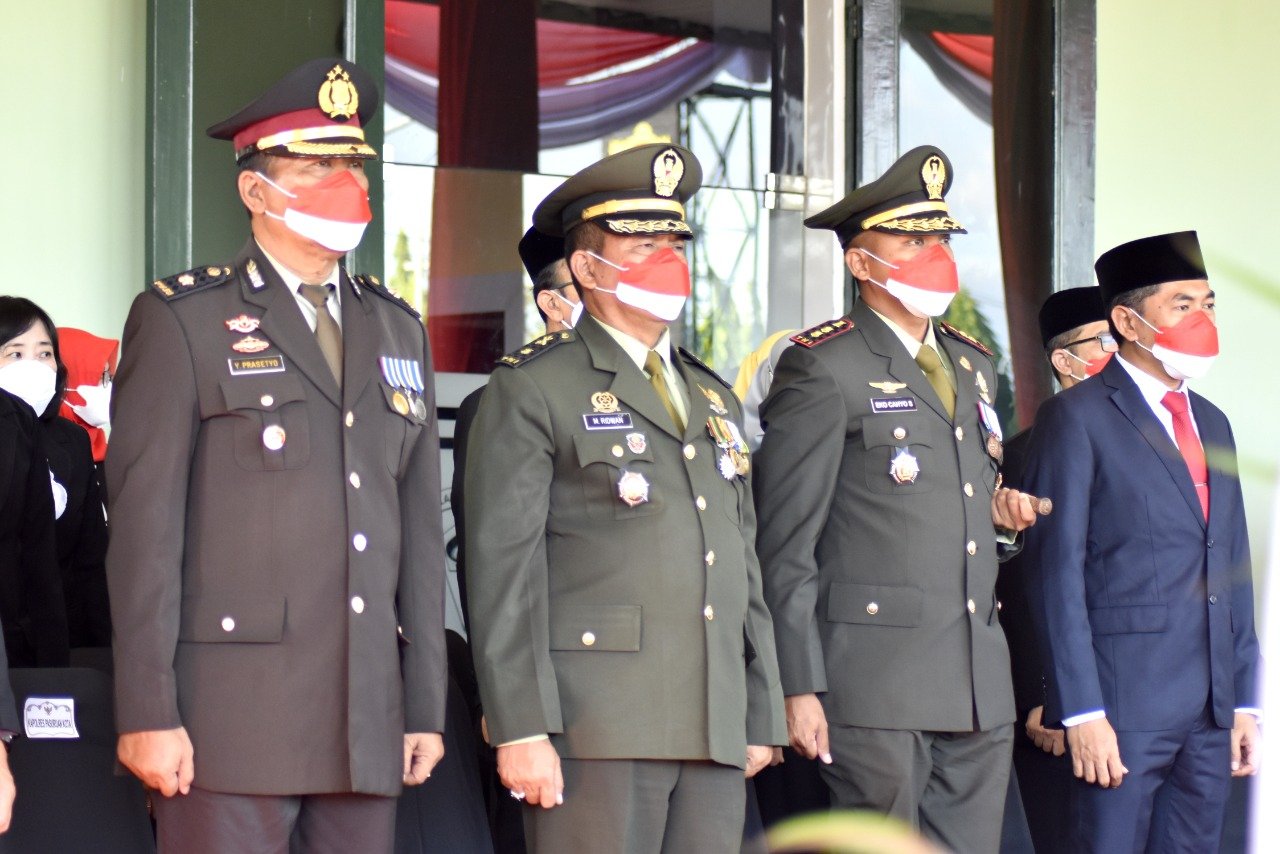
(929, 362)
(328, 335)
(653, 367)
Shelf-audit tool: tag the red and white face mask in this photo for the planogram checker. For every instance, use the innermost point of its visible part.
(659, 285)
(1186, 349)
(332, 212)
(926, 284)
(1092, 367)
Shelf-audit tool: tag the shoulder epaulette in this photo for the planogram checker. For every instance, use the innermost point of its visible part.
(823, 332)
(373, 285)
(535, 348)
(195, 279)
(966, 338)
(701, 364)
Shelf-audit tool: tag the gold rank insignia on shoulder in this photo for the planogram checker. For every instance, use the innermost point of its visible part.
(535, 348)
(184, 284)
(888, 387)
(338, 97)
(966, 338)
(822, 332)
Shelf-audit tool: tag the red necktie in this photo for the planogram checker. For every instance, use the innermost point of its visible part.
(1189, 444)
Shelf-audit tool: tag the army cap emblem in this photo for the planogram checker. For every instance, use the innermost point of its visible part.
(668, 169)
(338, 97)
(934, 175)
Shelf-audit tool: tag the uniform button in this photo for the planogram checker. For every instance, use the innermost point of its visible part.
(617, 450)
(350, 419)
(968, 489)
(357, 604)
(959, 434)
(228, 624)
(899, 433)
(1209, 543)
(355, 480)
(973, 608)
(999, 605)
(971, 547)
(873, 608)
(711, 557)
(588, 638)
(359, 541)
(266, 400)
(273, 437)
(701, 502)
(1213, 599)
(690, 452)
(709, 612)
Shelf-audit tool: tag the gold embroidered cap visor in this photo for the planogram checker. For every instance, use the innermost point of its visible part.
(909, 198)
(639, 191)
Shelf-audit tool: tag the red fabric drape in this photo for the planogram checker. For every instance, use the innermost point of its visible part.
(976, 53)
(565, 51)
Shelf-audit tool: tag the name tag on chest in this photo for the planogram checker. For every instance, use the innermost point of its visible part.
(257, 365)
(893, 404)
(607, 420)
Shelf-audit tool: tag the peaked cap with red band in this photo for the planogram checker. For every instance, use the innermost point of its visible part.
(318, 109)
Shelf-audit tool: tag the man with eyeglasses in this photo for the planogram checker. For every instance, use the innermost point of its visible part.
(1140, 582)
(1077, 343)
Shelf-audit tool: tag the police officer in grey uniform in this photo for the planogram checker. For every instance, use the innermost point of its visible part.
(624, 652)
(276, 563)
(876, 493)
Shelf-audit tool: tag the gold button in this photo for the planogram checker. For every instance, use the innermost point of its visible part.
(959, 434)
(701, 502)
(973, 609)
(617, 450)
(709, 612)
(968, 489)
(588, 638)
(350, 419)
(873, 608)
(228, 624)
(711, 557)
(357, 604)
(690, 452)
(971, 547)
(266, 400)
(355, 480)
(899, 433)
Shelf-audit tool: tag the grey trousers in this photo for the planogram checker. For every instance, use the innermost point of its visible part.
(205, 822)
(641, 806)
(949, 785)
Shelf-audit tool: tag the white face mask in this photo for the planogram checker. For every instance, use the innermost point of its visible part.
(921, 302)
(664, 306)
(31, 380)
(1181, 366)
(334, 234)
(575, 308)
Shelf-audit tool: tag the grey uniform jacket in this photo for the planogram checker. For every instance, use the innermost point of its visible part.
(622, 631)
(882, 593)
(256, 592)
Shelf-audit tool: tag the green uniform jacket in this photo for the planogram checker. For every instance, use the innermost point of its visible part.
(882, 593)
(622, 631)
(256, 592)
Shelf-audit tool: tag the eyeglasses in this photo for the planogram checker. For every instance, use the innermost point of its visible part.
(1105, 340)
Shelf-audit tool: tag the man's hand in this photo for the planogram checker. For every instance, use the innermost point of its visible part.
(1012, 510)
(1246, 746)
(7, 790)
(1095, 753)
(422, 750)
(1049, 740)
(758, 758)
(532, 771)
(807, 727)
(162, 759)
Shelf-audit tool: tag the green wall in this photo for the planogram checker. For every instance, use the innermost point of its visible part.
(71, 219)
(1188, 122)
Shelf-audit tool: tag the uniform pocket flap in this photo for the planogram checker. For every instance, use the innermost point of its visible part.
(266, 393)
(894, 428)
(1129, 619)
(875, 604)
(232, 618)
(605, 628)
(616, 448)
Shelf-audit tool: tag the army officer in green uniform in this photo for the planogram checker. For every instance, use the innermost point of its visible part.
(624, 651)
(876, 492)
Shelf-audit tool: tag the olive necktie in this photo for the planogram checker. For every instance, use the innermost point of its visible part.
(328, 335)
(931, 364)
(653, 367)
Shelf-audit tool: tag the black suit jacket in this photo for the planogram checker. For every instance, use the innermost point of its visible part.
(1015, 607)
